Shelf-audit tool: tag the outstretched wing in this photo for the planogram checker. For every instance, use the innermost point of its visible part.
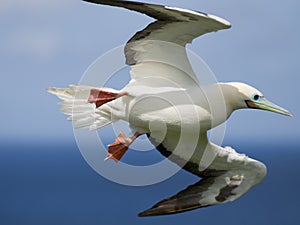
(228, 176)
(159, 49)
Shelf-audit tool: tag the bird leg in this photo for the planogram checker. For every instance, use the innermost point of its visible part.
(117, 149)
(100, 97)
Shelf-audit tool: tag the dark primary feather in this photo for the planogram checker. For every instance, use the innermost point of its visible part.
(169, 34)
(199, 23)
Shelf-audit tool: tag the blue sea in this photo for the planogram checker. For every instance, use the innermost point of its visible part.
(50, 183)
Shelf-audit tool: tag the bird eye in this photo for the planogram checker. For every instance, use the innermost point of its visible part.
(256, 97)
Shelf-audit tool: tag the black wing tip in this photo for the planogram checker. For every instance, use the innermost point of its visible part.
(88, 1)
(166, 211)
(154, 212)
(160, 209)
(144, 214)
(104, 2)
(111, 1)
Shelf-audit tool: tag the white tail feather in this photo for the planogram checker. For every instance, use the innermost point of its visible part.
(81, 112)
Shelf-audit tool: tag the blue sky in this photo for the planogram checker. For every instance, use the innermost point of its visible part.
(51, 43)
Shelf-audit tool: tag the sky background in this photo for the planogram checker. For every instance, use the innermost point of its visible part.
(47, 43)
(52, 43)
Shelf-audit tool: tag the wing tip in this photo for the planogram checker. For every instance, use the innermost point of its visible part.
(143, 214)
(161, 208)
(226, 23)
(202, 14)
(153, 212)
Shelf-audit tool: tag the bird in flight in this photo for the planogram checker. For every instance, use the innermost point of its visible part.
(165, 100)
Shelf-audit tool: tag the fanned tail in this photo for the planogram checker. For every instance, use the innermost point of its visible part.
(83, 113)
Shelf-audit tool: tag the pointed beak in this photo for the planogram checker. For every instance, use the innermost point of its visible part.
(265, 104)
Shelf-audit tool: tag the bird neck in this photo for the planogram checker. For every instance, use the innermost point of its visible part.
(232, 97)
(222, 100)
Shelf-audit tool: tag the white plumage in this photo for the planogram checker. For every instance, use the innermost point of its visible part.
(165, 100)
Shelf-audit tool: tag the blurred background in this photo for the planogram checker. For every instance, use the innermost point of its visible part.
(44, 178)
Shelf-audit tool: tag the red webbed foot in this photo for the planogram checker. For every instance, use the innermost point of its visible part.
(117, 149)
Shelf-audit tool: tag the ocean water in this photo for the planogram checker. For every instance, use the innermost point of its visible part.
(50, 183)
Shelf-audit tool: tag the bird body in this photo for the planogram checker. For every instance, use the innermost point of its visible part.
(166, 101)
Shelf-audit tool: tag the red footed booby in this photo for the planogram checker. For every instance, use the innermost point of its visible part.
(164, 90)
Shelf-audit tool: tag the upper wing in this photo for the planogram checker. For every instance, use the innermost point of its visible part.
(228, 176)
(161, 45)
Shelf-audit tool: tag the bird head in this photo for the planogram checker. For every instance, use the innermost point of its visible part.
(246, 96)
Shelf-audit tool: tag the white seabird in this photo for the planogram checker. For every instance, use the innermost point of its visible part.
(165, 100)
